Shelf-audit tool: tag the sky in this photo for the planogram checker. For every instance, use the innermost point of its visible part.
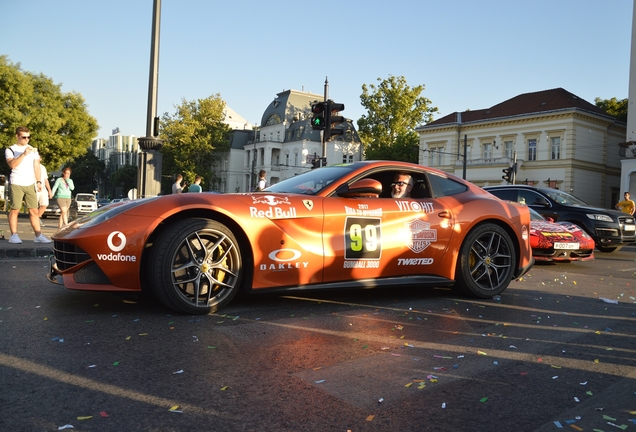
(468, 54)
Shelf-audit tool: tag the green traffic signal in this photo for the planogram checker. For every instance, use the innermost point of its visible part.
(318, 122)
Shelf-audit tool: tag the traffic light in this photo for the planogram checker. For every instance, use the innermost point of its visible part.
(333, 120)
(507, 174)
(318, 121)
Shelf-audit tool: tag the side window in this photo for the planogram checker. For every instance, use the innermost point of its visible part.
(443, 186)
(529, 197)
(505, 194)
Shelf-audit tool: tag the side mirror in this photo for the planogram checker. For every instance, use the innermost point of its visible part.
(365, 188)
(541, 202)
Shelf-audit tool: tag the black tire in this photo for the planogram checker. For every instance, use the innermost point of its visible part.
(486, 262)
(195, 266)
(607, 248)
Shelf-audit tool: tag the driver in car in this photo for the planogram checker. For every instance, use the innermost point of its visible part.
(401, 186)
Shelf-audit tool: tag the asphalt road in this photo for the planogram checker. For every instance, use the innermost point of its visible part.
(556, 350)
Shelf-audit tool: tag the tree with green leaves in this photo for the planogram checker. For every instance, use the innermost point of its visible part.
(88, 172)
(614, 107)
(124, 179)
(194, 137)
(394, 110)
(61, 127)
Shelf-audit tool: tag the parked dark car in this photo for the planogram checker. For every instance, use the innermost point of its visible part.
(102, 202)
(53, 210)
(610, 229)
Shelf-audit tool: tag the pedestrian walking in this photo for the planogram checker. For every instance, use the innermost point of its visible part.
(63, 193)
(24, 161)
(43, 191)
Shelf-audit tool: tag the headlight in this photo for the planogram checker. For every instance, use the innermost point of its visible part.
(600, 217)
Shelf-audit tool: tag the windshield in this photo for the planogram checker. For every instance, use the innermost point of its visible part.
(311, 182)
(85, 197)
(563, 197)
(535, 216)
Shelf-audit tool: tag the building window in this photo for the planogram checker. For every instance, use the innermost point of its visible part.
(435, 156)
(508, 149)
(532, 150)
(556, 147)
(487, 151)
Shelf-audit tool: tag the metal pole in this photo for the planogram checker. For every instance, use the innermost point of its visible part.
(154, 70)
(324, 144)
(150, 159)
(465, 149)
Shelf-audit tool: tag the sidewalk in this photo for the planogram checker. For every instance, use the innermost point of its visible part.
(28, 248)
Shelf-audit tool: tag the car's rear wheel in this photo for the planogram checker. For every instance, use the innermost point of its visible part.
(486, 261)
(195, 266)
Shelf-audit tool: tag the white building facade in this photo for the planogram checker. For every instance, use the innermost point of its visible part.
(283, 146)
(557, 140)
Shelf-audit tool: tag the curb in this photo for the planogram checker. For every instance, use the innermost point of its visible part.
(28, 252)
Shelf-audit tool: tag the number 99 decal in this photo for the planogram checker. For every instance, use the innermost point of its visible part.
(363, 238)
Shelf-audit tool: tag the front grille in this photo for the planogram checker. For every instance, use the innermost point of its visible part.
(68, 255)
(607, 232)
(626, 220)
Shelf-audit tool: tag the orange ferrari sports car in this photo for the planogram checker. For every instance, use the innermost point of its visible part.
(332, 227)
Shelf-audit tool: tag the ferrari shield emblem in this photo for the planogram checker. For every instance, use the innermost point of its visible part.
(309, 204)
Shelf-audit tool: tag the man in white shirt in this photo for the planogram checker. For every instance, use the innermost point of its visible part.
(24, 162)
(177, 188)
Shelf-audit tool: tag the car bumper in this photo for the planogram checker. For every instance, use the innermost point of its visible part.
(524, 269)
(562, 255)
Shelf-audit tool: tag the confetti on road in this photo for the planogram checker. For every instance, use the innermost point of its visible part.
(606, 300)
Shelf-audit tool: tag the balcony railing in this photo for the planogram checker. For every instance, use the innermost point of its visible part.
(627, 149)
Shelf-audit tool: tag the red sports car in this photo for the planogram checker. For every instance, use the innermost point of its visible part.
(563, 241)
(331, 227)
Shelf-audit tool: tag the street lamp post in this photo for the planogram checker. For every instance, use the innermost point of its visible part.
(150, 159)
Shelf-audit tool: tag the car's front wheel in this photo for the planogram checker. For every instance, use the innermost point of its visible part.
(606, 248)
(195, 266)
(486, 261)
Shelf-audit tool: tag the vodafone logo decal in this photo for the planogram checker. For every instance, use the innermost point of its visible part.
(116, 241)
(121, 240)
